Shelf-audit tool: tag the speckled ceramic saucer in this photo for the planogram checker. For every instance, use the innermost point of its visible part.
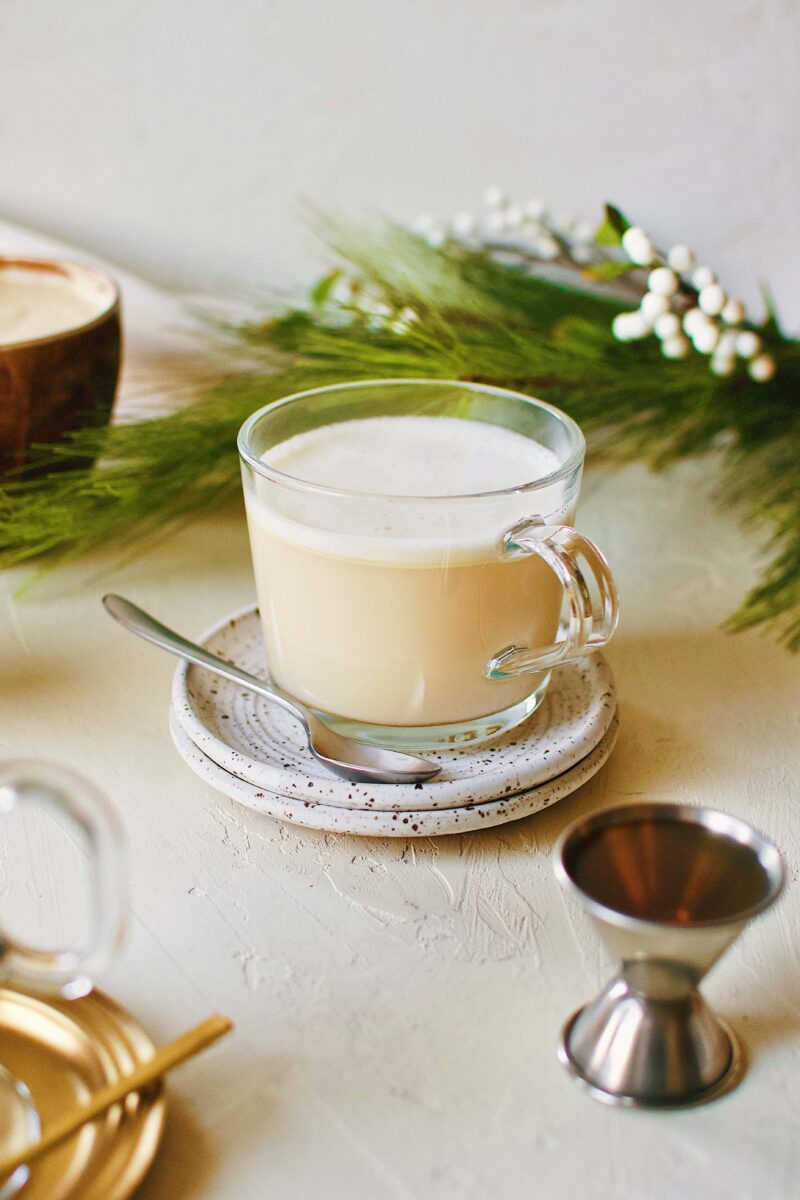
(371, 823)
(256, 741)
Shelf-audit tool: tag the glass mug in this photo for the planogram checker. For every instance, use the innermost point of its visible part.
(67, 972)
(422, 621)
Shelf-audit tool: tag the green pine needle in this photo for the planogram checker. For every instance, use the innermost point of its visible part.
(479, 319)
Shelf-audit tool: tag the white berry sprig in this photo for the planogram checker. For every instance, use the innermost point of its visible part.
(339, 300)
(685, 306)
(524, 231)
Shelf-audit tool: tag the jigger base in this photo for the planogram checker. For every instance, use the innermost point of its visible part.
(729, 1079)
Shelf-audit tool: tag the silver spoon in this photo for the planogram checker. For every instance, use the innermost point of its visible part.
(344, 756)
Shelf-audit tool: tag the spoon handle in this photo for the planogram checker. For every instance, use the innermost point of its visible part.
(138, 621)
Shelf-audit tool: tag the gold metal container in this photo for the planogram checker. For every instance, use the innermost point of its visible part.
(64, 1050)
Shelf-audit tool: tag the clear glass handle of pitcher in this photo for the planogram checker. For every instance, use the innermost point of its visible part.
(62, 793)
(582, 571)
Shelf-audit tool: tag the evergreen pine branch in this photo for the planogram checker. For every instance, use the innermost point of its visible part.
(478, 319)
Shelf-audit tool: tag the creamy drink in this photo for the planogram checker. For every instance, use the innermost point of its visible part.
(382, 600)
(37, 304)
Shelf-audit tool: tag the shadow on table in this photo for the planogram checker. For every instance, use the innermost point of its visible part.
(641, 766)
(702, 668)
(760, 1031)
(184, 1161)
(28, 678)
(232, 1116)
(683, 698)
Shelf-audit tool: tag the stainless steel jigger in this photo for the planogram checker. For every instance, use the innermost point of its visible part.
(669, 888)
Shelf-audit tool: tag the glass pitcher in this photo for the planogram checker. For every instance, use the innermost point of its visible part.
(67, 972)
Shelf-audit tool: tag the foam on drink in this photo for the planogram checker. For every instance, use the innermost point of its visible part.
(414, 456)
(410, 461)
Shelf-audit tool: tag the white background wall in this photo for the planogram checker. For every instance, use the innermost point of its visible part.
(180, 137)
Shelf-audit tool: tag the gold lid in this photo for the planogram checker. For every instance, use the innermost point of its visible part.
(64, 1050)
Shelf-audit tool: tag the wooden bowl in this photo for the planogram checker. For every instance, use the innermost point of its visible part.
(66, 380)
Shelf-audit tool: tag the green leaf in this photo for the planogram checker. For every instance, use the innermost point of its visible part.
(772, 324)
(323, 287)
(608, 270)
(611, 231)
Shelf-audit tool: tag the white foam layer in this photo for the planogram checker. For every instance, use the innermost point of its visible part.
(36, 303)
(418, 481)
(414, 456)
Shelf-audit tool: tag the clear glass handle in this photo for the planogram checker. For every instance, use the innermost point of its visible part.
(64, 793)
(589, 625)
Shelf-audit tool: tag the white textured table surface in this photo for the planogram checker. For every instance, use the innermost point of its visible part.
(397, 1004)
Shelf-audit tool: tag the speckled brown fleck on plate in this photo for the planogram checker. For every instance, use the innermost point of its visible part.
(64, 1051)
(256, 741)
(370, 823)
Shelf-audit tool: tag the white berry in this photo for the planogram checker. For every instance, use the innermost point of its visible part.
(726, 346)
(703, 277)
(546, 246)
(723, 364)
(663, 281)
(514, 216)
(675, 347)
(494, 197)
(667, 326)
(369, 302)
(637, 246)
(681, 259)
(712, 299)
(581, 253)
(582, 231)
(463, 224)
(495, 221)
(435, 235)
(342, 291)
(762, 368)
(693, 320)
(629, 327)
(535, 209)
(619, 326)
(639, 327)
(733, 312)
(653, 306)
(422, 223)
(706, 339)
(408, 315)
(562, 222)
(748, 344)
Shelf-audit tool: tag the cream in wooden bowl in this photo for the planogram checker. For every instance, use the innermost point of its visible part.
(60, 340)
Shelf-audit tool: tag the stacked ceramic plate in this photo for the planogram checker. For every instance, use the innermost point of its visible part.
(256, 754)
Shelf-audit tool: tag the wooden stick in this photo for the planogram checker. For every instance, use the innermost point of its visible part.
(185, 1046)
